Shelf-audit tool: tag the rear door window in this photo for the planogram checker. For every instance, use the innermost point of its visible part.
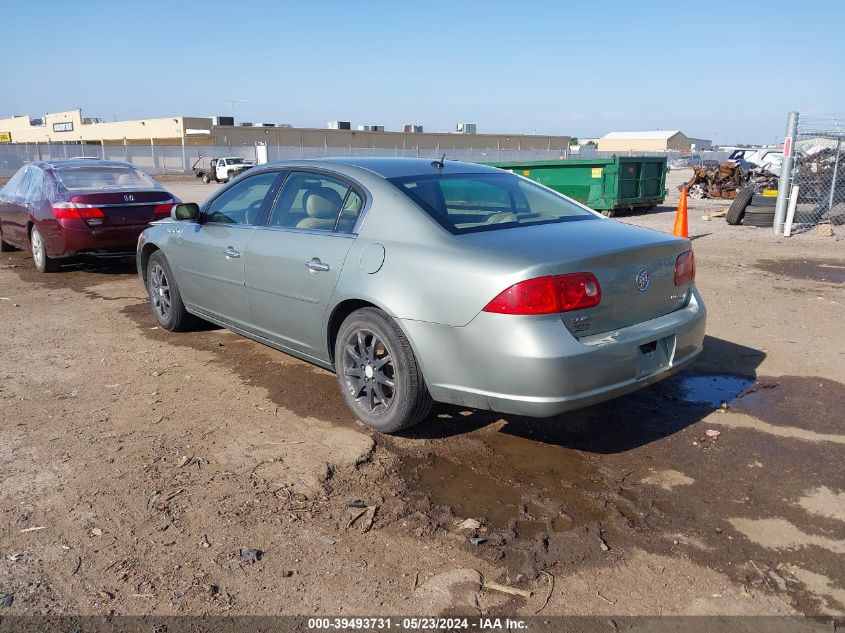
(18, 192)
(31, 191)
(316, 202)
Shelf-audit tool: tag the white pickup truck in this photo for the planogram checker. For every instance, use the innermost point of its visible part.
(220, 169)
(768, 158)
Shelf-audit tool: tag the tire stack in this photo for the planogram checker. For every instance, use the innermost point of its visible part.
(752, 209)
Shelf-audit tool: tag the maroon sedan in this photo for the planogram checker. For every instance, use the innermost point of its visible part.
(60, 209)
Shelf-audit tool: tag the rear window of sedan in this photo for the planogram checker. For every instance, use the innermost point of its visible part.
(76, 178)
(465, 203)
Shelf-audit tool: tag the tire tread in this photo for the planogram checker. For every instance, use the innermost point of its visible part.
(738, 206)
(421, 401)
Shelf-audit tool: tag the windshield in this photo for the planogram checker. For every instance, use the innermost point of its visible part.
(234, 161)
(75, 178)
(464, 203)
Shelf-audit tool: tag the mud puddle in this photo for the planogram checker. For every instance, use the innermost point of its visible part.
(830, 271)
(807, 402)
(797, 401)
(512, 484)
(713, 389)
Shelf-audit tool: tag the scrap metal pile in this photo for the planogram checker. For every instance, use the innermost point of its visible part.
(726, 178)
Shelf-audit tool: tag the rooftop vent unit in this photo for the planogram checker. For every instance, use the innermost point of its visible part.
(224, 120)
(371, 128)
(246, 124)
(339, 125)
(412, 128)
(465, 128)
(90, 120)
(268, 125)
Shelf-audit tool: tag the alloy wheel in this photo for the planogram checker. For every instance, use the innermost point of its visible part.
(37, 248)
(160, 292)
(369, 372)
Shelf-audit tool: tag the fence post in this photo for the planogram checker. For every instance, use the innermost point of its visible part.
(833, 181)
(785, 178)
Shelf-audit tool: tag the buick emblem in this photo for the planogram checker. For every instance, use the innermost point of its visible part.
(641, 279)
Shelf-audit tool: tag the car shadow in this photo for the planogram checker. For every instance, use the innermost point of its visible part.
(101, 266)
(633, 213)
(617, 425)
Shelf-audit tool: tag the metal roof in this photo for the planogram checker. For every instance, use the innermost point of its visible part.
(633, 136)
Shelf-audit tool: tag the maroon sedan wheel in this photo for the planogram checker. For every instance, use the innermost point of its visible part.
(43, 262)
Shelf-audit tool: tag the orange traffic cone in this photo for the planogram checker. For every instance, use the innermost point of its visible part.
(681, 228)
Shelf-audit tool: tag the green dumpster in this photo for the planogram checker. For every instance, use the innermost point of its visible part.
(604, 184)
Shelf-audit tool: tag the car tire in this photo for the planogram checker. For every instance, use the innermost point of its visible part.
(165, 298)
(374, 362)
(43, 262)
(759, 200)
(738, 206)
(758, 218)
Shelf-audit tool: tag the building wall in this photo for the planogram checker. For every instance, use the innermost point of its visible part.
(135, 132)
(310, 137)
(200, 131)
(701, 144)
(677, 142)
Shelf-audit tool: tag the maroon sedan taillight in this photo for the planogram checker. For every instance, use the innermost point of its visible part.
(162, 210)
(70, 211)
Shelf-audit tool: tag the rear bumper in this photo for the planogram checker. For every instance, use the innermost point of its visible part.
(533, 366)
(68, 240)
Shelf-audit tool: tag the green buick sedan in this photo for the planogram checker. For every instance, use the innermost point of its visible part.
(417, 281)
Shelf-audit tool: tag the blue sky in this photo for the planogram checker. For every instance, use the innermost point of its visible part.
(729, 70)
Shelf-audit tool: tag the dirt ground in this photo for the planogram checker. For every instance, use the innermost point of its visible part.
(140, 467)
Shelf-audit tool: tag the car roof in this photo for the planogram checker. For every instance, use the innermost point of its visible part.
(391, 167)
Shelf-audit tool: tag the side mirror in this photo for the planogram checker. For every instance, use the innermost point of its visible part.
(189, 211)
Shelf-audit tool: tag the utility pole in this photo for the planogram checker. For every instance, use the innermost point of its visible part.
(785, 180)
(232, 102)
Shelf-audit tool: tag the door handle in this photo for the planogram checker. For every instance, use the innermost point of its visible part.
(316, 266)
(231, 253)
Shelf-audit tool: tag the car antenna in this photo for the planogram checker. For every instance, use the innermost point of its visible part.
(439, 163)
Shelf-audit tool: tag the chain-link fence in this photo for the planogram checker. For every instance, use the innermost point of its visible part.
(818, 173)
(176, 159)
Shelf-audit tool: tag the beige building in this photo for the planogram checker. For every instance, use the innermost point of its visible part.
(652, 141)
(73, 127)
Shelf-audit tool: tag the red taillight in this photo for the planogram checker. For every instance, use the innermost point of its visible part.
(577, 291)
(533, 296)
(163, 209)
(69, 211)
(546, 295)
(685, 268)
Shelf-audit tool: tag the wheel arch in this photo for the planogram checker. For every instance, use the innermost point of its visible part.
(349, 305)
(338, 316)
(146, 252)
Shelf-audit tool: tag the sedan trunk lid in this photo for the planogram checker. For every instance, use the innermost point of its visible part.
(635, 267)
(126, 208)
